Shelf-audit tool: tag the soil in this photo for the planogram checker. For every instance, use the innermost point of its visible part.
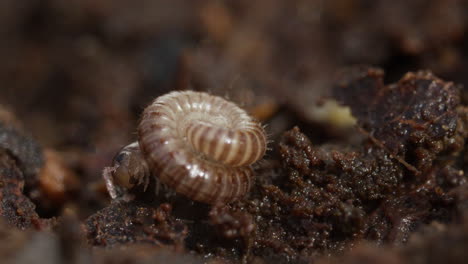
(365, 104)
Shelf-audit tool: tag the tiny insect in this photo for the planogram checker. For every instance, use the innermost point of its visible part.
(200, 145)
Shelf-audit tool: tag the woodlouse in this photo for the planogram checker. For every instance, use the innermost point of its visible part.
(200, 145)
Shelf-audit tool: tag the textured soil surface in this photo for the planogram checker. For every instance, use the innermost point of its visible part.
(365, 104)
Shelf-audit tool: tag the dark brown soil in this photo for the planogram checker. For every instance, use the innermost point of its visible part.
(387, 185)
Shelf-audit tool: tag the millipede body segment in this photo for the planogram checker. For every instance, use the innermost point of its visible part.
(200, 145)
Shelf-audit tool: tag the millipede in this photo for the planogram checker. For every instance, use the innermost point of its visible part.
(200, 145)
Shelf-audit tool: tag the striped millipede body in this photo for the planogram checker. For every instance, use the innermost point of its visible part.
(198, 144)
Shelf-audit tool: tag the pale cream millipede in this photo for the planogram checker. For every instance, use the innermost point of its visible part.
(200, 145)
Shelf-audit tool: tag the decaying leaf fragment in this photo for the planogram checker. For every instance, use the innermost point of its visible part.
(414, 119)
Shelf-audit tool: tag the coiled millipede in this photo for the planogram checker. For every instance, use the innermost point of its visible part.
(198, 144)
